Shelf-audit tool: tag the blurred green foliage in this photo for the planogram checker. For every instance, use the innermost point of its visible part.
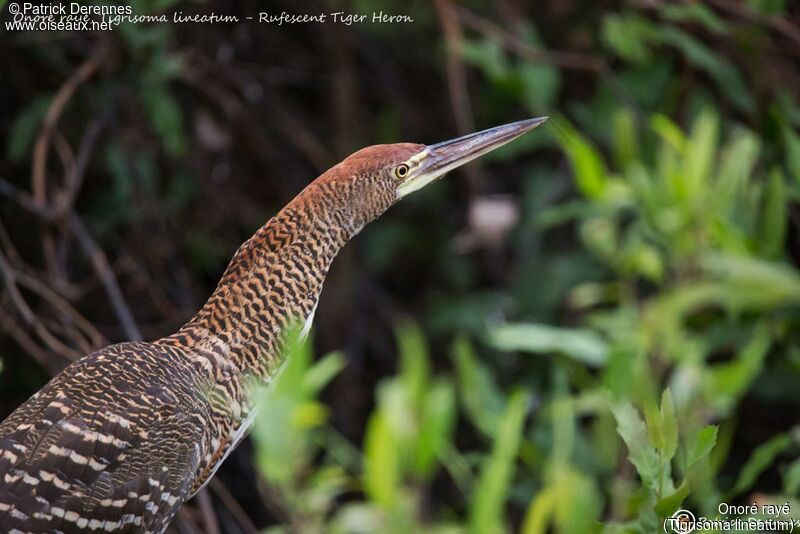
(409, 438)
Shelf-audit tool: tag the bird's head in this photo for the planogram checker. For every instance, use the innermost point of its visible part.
(377, 176)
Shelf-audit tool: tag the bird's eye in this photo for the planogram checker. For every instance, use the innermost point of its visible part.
(401, 171)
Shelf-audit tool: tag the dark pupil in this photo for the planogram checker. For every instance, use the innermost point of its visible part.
(402, 170)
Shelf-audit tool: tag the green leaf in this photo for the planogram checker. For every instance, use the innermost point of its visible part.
(629, 36)
(700, 445)
(24, 128)
(562, 414)
(488, 500)
(666, 506)
(729, 81)
(587, 165)
(767, 7)
(726, 382)
(761, 459)
(309, 415)
(578, 501)
(165, 116)
(669, 424)
(537, 518)
(694, 12)
(325, 485)
(541, 84)
(623, 368)
(626, 143)
(488, 55)
(737, 161)
(601, 236)
(436, 426)
(285, 405)
(773, 216)
(634, 433)
(749, 283)
(583, 345)
(414, 364)
(381, 462)
(791, 479)
(289, 381)
(791, 145)
(323, 372)
(356, 517)
(699, 157)
(481, 398)
(641, 259)
(401, 414)
(655, 428)
(669, 132)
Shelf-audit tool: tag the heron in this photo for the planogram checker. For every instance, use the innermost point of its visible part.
(122, 437)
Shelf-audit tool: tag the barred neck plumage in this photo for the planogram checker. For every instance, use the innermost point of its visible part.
(275, 278)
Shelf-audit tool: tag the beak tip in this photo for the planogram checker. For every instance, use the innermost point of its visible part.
(537, 121)
(526, 125)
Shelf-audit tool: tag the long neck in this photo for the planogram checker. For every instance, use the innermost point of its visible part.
(272, 283)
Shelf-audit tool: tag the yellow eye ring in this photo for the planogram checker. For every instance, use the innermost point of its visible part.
(401, 171)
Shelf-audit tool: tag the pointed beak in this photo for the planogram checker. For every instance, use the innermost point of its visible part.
(439, 159)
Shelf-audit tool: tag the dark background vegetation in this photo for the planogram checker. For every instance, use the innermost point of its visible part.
(645, 238)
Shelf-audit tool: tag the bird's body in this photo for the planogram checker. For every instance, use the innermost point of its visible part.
(122, 437)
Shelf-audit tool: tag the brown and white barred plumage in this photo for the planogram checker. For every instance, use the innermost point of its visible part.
(121, 438)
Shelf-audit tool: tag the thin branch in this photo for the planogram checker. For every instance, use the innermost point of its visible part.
(456, 73)
(779, 24)
(10, 279)
(207, 512)
(63, 96)
(562, 59)
(39, 354)
(195, 75)
(233, 506)
(184, 521)
(74, 175)
(9, 276)
(94, 337)
(64, 151)
(24, 200)
(567, 60)
(85, 335)
(7, 246)
(100, 263)
(92, 251)
(457, 81)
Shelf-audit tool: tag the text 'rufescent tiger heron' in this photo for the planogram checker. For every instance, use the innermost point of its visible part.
(122, 437)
